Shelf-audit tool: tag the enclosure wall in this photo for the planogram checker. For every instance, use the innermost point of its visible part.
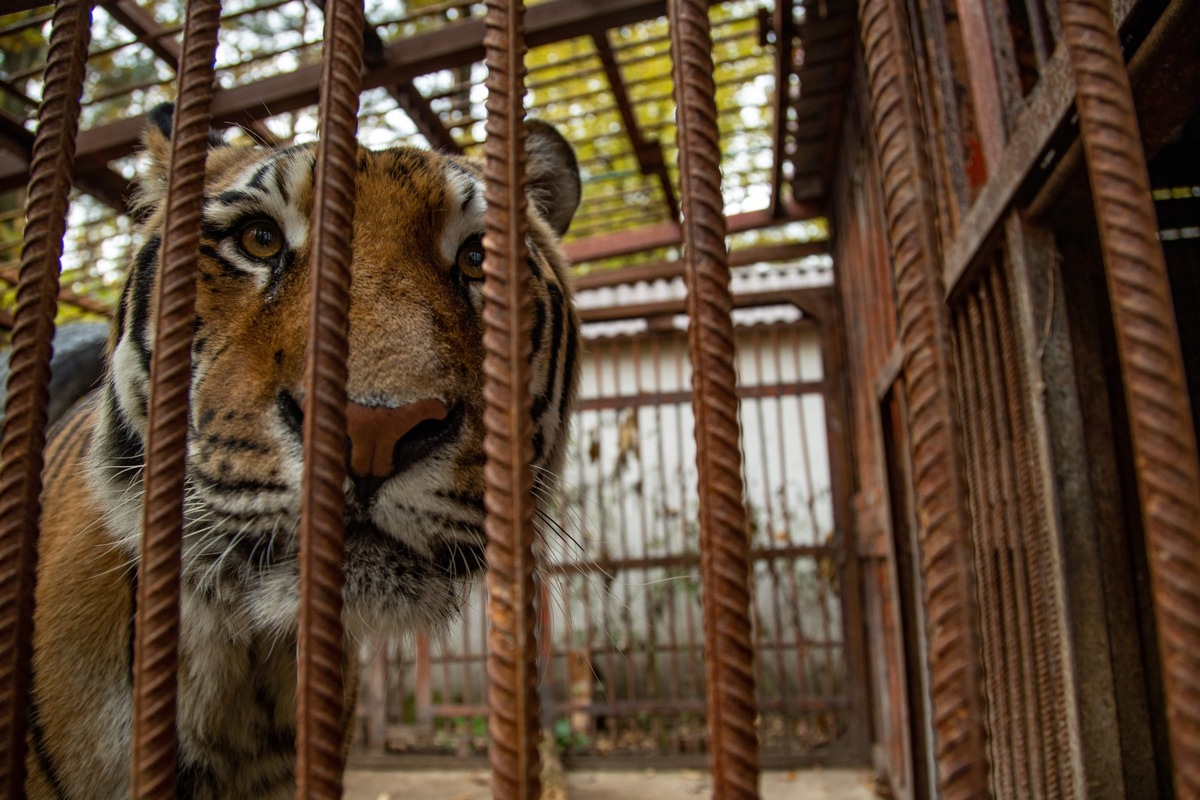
(964, 165)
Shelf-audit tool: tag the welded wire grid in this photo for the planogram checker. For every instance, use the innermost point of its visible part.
(1024, 670)
(29, 378)
(623, 670)
(630, 644)
(156, 654)
(321, 663)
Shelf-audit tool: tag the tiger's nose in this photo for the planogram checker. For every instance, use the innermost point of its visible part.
(384, 441)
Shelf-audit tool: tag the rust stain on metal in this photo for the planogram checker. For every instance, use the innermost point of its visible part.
(1164, 444)
(724, 565)
(28, 384)
(946, 557)
(319, 711)
(514, 721)
(156, 653)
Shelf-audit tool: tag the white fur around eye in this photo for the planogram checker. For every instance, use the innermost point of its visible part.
(293, 172)
(464, 212)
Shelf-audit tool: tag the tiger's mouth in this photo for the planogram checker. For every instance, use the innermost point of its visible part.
(446, 558)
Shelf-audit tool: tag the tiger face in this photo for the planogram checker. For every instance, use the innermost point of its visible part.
(414, 491)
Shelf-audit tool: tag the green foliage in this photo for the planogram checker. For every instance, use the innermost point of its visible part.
(567, 740)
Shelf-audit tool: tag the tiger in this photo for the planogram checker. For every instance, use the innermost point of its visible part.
(414, 522)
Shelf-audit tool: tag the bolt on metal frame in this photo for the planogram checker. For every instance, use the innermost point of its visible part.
(515, 720)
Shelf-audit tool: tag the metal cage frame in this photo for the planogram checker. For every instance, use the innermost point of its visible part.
(513, 699)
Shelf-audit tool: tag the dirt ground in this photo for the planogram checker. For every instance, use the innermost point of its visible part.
(810, 784)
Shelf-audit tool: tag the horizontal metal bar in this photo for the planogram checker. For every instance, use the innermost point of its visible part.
(607, 565)
(667, 270)
(621, 708)
(670, 234)
(659, 647)
(812, 302)
(685, 397)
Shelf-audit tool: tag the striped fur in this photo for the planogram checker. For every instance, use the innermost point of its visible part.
(412, 544)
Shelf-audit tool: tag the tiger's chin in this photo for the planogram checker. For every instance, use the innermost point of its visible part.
(389, 588)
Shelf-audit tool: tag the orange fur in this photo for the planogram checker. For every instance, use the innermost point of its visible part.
(415, 332)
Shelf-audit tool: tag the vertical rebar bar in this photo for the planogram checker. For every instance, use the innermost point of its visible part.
(156, 654)
(956, 675)
(1163, 436)
(512, 646)
(320, 688)
(51, 161)
(724, 559)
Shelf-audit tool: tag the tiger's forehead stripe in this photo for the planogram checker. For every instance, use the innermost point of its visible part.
(273, 187)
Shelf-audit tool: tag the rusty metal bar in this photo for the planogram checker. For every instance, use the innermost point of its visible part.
(839, 442)
(656, 399)
(783, 22)
(649, 152)
(768, 532)
(980, 51)
(946, 557)
(156, 653)
(24, 439)
(1161, 428)
(724, 566)
(514, 721)
(985, 586)
(319, 709)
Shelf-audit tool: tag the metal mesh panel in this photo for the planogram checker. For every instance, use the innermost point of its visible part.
(1022, 660)
(623, 661)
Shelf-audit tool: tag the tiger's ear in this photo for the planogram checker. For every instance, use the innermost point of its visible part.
(551, 174)
(156, 152)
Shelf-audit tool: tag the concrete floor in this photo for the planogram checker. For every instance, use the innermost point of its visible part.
(811, 784)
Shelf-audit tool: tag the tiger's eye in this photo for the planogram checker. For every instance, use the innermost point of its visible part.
(261, 240)
(470, 258)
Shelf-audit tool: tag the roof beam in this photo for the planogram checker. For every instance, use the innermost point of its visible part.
(833, 141)
(814, 302)
(428, 121)
(670, 234)
(105, 185)
(668, 270)
(785, 31)
(142, 24)
(161, 41)
(65, 295)
(454, 45)
(649, 152)
(407, 96)
(17, 6)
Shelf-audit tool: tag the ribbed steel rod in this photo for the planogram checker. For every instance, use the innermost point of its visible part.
(156, 654)
(29, 378)
(946, 559)
(513, 701)
(1164, 442)
(724, 540)
(320, 703)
